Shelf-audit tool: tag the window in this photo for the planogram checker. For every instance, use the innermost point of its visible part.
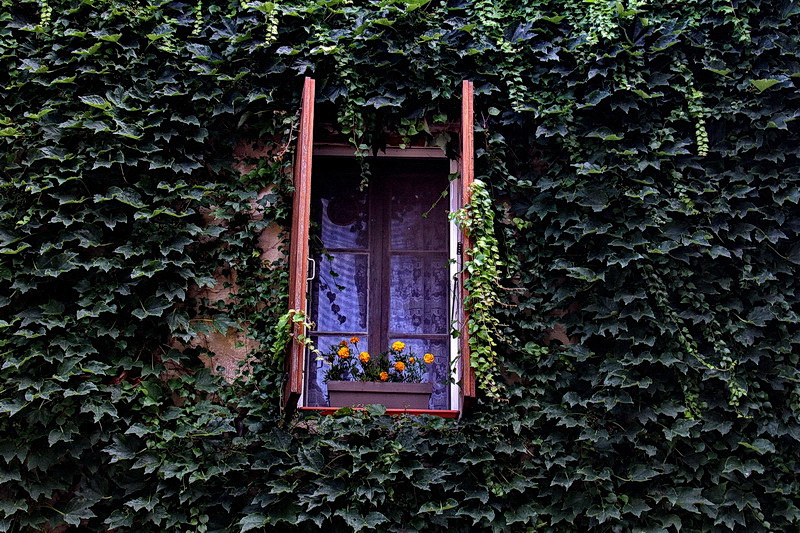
(383, 270)
(380, 270)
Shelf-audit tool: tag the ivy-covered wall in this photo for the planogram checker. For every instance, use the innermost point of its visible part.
(643, 159)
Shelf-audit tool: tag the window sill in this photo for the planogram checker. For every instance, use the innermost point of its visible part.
(394, 412)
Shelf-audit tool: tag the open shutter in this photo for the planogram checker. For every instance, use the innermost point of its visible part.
(467, 172)
(298, 253)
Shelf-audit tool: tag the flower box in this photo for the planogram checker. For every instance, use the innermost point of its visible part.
(390, 395)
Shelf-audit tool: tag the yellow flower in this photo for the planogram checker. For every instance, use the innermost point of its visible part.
(398, 346)
(399, 366)
(363, 357)
(354, 340)
(344, 352)
(428, 358)
(410, 360)
(384, 376)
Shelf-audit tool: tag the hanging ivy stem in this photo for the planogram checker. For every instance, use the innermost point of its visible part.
(483, 265)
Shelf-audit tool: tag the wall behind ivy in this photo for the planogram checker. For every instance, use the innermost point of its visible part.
(643, 158)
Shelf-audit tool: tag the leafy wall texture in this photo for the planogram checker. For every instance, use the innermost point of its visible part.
(643, 161)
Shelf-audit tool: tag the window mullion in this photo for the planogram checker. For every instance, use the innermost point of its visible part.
(385, 206)
(378, 286)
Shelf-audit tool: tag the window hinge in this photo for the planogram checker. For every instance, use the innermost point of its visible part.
(459, 248)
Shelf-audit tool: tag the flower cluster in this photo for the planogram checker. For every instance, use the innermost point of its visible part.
(395, 365)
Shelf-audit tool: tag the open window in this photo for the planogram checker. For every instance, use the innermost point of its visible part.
(385, 263)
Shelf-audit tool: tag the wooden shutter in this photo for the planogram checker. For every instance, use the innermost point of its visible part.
(298, 252)
(467, 176)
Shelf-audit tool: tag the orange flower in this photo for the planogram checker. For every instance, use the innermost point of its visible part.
(399, 366)
(398, 346)
(354, 340)
(342, 343)
(344, 352)
(410, 360)
(428, 358)
(384, 376)
(363, 357)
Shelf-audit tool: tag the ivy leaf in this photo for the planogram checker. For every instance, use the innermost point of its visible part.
(311, 461)
(747, 467)
(759, 316)
(128, 251)
(95, 100)
(794, 254)
(205, 381)
(760, 446)
(9, 506)
(12, 406)
(720, 71)
(381, 101)
(641, 472)
(604, 134)
(688, 498)
(138, 429)
(603, 513)
(764, 84)
(438, 507)
(97, 126)
(200, 51)
(375, 410)
(524, 513)
(356, 522)
(252, 521)
(120, 450)
(78, 509)
(285, 513)
(126, 196)
(152, 306)
(477, 512)
(161, 32)
(636, 506)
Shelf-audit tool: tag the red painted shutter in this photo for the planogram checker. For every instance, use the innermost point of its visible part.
(298, 252)
(467, 172)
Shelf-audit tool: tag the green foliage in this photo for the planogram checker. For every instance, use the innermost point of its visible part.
(483, 270)
(643, 163)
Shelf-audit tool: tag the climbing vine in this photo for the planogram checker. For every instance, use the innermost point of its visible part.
(698, 113)
(482, 267)
(635, 284)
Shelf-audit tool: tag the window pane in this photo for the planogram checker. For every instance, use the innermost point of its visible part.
(344, 221)
(413, 197)
(339, 293)
(316, 390)
(439, 371)
(419, 294)
(339, 207)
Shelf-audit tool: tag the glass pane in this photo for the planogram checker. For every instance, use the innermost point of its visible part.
(418, 213)
(419, 294)
(338, 207)
(339, 293)
(439, 371)
(344, 221)
(316, 391)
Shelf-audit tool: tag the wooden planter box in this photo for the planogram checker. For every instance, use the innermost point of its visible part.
(390, 395)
